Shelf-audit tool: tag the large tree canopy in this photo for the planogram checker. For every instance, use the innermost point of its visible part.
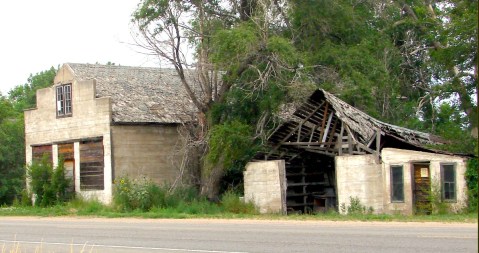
(411, 63)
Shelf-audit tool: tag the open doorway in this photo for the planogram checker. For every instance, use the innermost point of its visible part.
(311, 184)
(422, 188)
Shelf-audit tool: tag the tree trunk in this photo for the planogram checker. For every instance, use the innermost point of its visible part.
(211, 179)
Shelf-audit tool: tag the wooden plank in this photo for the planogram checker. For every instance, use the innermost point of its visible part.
(326, 129)
(331, 135)
(340, 139)
(299, 131)
(305, 143)
(65, 150)
(324, 122)
(378, 145)
(296, 128)
(92, 165)
(38, 152)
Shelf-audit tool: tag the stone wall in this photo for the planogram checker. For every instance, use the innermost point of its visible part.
(153, 151)
(265, 186)
(359, 176)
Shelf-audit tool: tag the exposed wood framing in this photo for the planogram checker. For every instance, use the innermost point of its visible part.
(296, 128)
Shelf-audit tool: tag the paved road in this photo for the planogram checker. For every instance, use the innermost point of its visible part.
(140, 235)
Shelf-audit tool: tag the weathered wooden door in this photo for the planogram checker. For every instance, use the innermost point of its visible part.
(70, 174)
(422, 189)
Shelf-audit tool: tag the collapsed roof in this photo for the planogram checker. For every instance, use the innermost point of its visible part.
(327, 125)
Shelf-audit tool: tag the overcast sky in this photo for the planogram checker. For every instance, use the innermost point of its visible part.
(36, 35)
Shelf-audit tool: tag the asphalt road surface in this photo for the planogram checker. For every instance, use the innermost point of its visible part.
(26, 234)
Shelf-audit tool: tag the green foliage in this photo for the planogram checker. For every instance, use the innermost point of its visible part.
(24, 96)
(435, 198)
(12, 154)
(355, 207)
(232, 203)
(233, 45)
(472, 184)
(12, 148)
(230, 141)
(143, 194)
(48, 185)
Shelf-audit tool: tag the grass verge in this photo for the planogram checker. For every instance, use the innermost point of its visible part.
(202, 209)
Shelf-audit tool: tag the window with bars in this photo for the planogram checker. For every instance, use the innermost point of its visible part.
(64, 100)
(397, 184)
(448, 180)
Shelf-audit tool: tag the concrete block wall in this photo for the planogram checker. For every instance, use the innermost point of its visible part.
(407, 158)
(153, 151)
(91, 117)
(359, 176)
(265, 186)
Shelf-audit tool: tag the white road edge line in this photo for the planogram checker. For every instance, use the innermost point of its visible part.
(119, 246)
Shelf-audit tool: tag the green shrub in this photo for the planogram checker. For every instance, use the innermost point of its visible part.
(143, 194)
(232, 203)
(48, 185)
(355, 207)
(472, 184)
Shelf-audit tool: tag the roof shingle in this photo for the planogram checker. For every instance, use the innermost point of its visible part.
(139, 95)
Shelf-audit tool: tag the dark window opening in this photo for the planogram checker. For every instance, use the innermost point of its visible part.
(448, 176)
(397, 184)
(64, 100)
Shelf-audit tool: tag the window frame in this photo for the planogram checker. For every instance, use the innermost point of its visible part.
(63, 99)
(443, 183)
(393, 184)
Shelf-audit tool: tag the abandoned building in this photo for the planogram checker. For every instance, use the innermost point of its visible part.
(328, 152)
(107, 122)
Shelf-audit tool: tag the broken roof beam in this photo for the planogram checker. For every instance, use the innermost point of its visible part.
(296, 128)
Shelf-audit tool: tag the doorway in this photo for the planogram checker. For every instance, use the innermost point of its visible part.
(70, 174)
(422, 189)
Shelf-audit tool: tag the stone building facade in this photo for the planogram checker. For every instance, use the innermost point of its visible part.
(109, 121)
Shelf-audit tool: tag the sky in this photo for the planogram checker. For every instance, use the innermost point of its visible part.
(36, 35)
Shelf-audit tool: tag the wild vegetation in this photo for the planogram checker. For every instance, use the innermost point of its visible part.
(411, 63)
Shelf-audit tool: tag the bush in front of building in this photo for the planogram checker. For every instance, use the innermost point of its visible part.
(143, 194)
(48, 186)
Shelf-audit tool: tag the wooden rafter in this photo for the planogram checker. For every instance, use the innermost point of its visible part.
(296, 128)
(325, 115)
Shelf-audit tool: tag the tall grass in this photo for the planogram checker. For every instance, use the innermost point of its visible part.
(144, 195)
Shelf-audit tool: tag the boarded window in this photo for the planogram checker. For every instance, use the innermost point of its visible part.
(66, 152)
(64, 100)
(91, 164)
(448, 176)
(397, 184)
(39, 151)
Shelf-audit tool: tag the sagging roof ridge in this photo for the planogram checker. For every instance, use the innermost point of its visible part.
(358, 124)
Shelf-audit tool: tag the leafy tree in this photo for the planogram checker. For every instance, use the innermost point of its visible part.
(12, 156)
(24, 96)
(12, 143)
(235, 47)
(387, 58)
